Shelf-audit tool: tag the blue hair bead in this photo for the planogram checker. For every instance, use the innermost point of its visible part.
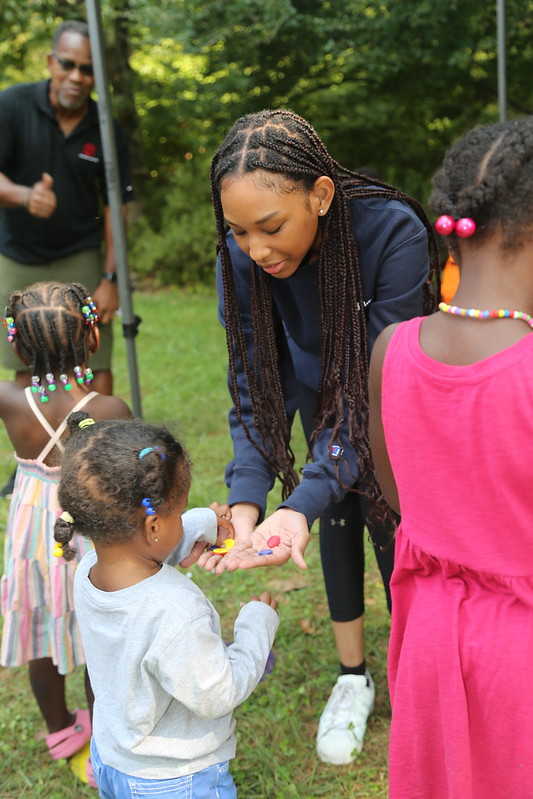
(147, 503)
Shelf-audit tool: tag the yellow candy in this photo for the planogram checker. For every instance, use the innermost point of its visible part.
(219, 551)
(229, 543)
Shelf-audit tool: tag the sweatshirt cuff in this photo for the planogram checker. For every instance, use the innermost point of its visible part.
(250, 485)
(311, 498)
(199, 524)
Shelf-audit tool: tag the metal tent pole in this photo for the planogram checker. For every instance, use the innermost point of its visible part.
(130, 322)
(502, 88)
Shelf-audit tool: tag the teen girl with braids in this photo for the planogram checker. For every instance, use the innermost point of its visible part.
(165, 683)
(316, 262)
(461, 649)
(52, 330)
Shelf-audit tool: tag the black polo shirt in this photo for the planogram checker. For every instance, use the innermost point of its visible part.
(31, 142)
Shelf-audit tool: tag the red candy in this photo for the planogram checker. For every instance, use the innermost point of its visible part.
(273, 541)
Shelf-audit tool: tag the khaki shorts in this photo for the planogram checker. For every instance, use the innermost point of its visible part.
(83, 267)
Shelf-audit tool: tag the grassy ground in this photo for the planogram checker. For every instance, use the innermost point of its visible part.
(180, 353)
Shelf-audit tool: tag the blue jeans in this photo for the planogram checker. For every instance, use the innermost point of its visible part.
(214, 782)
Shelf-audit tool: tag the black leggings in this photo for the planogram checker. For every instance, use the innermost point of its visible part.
(342, 531)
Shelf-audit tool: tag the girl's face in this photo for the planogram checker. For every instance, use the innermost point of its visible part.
(276, 229)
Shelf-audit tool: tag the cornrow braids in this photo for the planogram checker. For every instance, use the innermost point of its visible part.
(290, 153)
(52, 334)
(487, 175)
(104, 481)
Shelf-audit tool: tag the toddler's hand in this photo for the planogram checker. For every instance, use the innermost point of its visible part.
(225, 528)
(265, 597)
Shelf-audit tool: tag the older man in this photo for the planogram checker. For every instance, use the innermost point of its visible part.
(56, 223)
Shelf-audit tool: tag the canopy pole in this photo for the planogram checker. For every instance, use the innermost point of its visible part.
(130, 322)
(502, 87)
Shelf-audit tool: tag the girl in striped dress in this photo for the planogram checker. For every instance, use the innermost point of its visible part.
(53, 330)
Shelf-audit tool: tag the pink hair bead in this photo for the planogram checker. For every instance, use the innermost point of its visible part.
(445, 225)
(465, 227)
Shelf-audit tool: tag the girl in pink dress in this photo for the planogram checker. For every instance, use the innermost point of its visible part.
(53, 330)
(451, 426)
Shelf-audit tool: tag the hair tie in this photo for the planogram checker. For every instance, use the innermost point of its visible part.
(147, 503)
(58, 550)
(464, 227)
(66, 517)
(86, 423)
(147, 450)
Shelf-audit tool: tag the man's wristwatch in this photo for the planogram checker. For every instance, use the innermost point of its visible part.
(111, 276)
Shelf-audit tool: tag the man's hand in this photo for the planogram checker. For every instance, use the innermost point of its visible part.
(42, 200)
(106, 298)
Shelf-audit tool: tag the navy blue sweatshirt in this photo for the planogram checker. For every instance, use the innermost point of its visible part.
(394, 261)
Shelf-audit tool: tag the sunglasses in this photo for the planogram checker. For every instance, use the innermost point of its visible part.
(69, 66)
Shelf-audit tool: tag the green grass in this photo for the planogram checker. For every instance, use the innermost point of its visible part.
(181, 359)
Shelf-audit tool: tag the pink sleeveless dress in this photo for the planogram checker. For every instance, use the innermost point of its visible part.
(460, 440)
(36, 587)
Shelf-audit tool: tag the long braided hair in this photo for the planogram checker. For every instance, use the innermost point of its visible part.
(52, 334)
(285, 145)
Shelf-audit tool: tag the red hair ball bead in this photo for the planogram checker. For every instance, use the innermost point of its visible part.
(445, 225)
(465, 227)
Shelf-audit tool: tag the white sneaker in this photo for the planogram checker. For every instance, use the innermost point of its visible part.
(342, 725)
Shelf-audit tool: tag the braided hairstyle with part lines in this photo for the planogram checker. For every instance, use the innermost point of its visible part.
(291, 156)
(487, 175)
(104, 481)
(52, 334)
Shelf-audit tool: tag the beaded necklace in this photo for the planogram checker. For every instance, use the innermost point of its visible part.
(477, 314)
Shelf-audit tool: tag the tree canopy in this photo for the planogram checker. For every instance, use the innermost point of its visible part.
(386, 83)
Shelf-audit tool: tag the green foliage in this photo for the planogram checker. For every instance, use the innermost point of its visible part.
(385, 83)
(176, 243)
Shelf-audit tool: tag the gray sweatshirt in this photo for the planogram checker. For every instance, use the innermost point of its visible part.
(165, 683)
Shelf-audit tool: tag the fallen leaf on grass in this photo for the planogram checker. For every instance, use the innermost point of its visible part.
(306, 626)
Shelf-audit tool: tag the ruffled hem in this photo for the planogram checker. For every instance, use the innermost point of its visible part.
(410, 558)
(30, 635)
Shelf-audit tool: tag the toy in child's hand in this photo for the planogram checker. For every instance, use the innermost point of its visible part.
(227, 544)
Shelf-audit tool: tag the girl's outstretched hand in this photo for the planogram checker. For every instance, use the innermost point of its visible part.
(244, 517)
(199, 554)
(283, 535)
(225, 527)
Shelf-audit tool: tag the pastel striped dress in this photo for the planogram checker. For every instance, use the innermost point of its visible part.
(36, 588)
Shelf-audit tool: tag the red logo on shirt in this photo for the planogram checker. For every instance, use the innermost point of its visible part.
(89, 149)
